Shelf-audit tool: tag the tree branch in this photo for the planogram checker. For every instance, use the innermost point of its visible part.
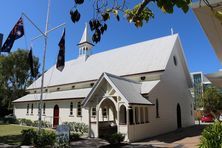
(142, 6)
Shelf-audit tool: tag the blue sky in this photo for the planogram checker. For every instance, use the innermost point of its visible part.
(199, 52)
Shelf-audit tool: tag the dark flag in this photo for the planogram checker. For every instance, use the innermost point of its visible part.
(16, 33)
(31, 63)
(61, 56)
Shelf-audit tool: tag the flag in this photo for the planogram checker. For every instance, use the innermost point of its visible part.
(31, 63)
(16, 33)
(61, 56)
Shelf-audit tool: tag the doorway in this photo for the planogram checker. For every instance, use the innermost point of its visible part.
(56, 116)
(179, 121)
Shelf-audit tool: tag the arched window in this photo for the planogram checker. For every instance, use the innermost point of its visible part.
(122, 115)
(32, 109)
(157, 109)
(175, 60)
(71, 108)
(44, 109)
(79, 109)
(27, 109)
(104, 112)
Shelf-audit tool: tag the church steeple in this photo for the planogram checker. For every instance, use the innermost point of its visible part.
(85, 44)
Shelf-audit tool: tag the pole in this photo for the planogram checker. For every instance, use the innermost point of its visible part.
(43, 66)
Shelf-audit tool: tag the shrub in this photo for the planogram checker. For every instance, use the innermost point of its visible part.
(45, 138)
(28, 136)
(74, 136)
(115, 138)
(77, 127)
(42, 139)
(212, 136)
(45, 124)
(8, 120)
(25, 122)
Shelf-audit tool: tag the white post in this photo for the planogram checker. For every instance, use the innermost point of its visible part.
(97, 119)
(43, 66)
(89, 132)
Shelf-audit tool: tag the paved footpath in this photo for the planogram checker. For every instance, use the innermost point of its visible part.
(183, 138)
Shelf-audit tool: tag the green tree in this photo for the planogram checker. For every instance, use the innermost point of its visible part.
(211, 101)
(15, 76)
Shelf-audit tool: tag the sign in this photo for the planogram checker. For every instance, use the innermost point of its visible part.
(62, 132)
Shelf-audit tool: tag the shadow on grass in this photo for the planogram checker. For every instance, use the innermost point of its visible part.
(11, 139)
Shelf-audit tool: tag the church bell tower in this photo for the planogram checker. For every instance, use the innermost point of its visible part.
(85, 44)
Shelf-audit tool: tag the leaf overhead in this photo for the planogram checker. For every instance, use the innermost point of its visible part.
(139, 14)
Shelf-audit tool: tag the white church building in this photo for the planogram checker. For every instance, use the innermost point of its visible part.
(140, 90)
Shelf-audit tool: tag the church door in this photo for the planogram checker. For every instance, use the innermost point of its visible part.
(179, 122)
(56, 116)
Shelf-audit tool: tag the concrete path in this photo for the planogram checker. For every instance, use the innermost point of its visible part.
(89, 143)
(183, 138)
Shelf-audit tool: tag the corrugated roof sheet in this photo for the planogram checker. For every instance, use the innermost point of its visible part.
(130, 90)
(137, 58)
(69, 94)
(125, 88)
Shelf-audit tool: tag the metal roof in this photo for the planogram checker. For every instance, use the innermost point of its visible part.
(143, 57)
(68, 94)
(125, 88)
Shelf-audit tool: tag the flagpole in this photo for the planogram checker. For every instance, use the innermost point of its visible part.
(45, 35)
(43, 66)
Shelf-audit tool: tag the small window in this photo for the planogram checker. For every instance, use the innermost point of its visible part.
(27, 109)
(143, 78)
(130, 115)
(136, 115)
(79, 109)
(93, 111)
(58, 88)
(73, 86)
(44, 109)
(91, 84)
(71, 108)
(104, 112)
(46, 90)
(175, 60)
(146, 115)
(157, 109)
(35, 91)
(141, 115)
(32, 109)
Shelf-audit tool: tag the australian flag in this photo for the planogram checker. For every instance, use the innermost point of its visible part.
(61, 56)
(16, 33)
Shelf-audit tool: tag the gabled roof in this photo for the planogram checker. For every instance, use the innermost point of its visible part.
(143, 57)
(58, 95)
(125, 88)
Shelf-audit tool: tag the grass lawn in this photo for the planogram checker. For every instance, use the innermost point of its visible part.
(11, 134)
